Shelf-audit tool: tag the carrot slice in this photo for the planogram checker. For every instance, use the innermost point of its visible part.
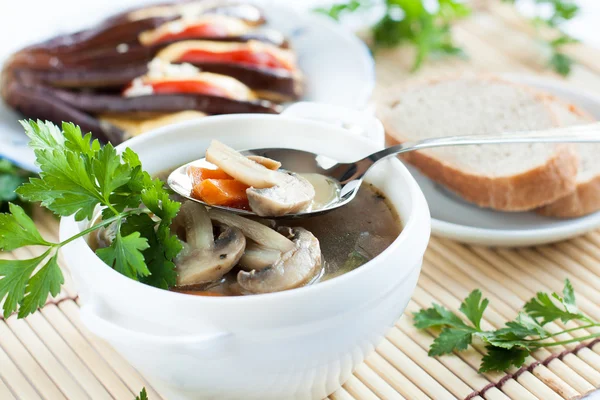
(199, 174)
(221, 192)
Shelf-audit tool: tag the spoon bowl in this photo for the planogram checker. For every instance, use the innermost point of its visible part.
(302, 162)
(350, 175)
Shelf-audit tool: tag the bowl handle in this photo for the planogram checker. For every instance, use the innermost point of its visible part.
(109, 331)
(355, 121)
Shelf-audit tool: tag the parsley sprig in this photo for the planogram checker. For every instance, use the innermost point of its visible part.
(79, 177)
(410, 22)
(511, 344)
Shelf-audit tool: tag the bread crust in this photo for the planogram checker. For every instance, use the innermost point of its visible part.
(586, 197)
(521, 192)
(542, 185)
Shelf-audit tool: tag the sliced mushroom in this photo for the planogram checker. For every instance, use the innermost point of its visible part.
(272, 193)
(277, 262)
(293, 269)
(292, 194)
(204, 258)
(258, 257)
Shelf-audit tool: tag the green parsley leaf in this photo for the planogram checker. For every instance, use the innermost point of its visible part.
(18, 230)
(15, 276)
(474, 307)
(143, 395)
(451, 339)
(501, 359)
(47, 281)
(542, 307)
(162, 248)
(125, 255)
(437, 317)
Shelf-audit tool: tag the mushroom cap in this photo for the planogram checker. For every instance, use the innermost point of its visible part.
(207, 265)
(292, 194)
(293, 269)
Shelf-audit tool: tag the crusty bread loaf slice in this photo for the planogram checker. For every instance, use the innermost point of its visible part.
(586, 197)
(503, 177)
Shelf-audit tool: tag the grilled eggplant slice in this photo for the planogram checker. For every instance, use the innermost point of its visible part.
(31, 104)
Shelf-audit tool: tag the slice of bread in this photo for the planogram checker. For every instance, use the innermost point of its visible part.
(586, 198)
(503, 177)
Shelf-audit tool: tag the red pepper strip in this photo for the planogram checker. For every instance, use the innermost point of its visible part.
(247, 57)
(205, 30)
(166, 87)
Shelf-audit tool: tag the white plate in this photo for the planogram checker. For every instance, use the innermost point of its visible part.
(456, 219)
(338, 70)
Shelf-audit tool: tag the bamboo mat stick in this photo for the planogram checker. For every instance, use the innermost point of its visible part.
(570, 250)
(13, 378)
(341, 394)
(376, 383)
(5, 393)
(59, 373)
(394, 378)
(431, 365)
(86, 353)
(569, 266)
(358, 389)
(412, 371)
(593, 237)
(24, 360)
(57, 345)
(515, 389)
(122, 368)
(584, 245)
(577, 365)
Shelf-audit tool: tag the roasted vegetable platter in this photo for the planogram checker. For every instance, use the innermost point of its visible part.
(151, 66)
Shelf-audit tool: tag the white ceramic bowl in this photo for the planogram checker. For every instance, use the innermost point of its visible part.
(299, 344)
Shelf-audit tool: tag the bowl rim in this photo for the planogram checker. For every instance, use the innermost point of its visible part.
(416, 227)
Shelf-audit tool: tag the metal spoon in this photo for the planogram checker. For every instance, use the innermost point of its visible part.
(350, 175)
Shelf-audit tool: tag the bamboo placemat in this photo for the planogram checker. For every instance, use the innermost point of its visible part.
(50, 355)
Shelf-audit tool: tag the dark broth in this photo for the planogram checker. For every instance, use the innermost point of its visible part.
(349, 237)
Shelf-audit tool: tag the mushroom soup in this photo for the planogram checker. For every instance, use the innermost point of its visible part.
(227, 254)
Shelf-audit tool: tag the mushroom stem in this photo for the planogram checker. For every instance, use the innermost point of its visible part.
(256, 231)
(198, 227)
(239, 167)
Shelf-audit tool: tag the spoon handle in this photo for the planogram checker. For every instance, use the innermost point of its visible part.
(589, 133)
